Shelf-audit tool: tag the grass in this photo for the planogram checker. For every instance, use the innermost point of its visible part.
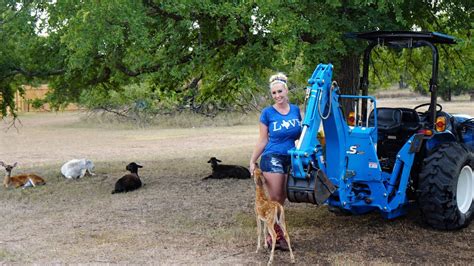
(177, 218)
(177, 215)
(177, 120)
(6, 255)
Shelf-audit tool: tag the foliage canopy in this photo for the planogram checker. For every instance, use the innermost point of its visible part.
(163, 56)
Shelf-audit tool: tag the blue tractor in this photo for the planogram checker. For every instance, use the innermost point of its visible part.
(385, 159)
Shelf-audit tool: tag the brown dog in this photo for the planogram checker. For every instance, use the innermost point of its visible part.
(268, 212)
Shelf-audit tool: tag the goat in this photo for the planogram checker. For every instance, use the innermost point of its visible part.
(130, 181)
(220, 171)
(20, 180)
(269, 213)
(77, 168)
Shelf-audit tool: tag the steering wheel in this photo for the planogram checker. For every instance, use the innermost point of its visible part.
(428, 104)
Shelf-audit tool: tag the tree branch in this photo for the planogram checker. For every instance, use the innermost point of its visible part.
(31, 74)
(157, 10)
(149, 69)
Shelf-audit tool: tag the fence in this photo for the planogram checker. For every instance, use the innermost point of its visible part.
(24, 102)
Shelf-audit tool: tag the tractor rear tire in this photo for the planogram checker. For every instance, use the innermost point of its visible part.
(446, 187)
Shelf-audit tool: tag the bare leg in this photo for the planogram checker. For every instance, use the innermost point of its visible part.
(276, 186)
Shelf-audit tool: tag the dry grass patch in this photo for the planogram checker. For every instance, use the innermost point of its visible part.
(177, 120)
(177, 218)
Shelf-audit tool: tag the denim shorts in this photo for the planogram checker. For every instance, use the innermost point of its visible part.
(275, 163)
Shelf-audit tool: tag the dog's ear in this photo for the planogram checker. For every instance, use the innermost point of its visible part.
(14, 165)
(217, 160)
(2, 163)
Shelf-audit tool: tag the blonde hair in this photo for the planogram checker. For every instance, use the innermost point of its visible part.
(278, 78)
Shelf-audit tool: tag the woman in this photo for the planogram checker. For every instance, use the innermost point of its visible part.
(279, 128)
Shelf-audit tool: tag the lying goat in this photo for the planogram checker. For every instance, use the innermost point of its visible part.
(220, 171)
(130, 181)
(77, 168)
(24, 180)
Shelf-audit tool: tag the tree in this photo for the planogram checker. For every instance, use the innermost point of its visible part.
(455, 70)
(24, 54)
(198, 55)
(320, 27)
(170, 46)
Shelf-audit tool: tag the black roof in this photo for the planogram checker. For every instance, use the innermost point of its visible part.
(403, 38)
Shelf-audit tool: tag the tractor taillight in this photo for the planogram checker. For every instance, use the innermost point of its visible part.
(440, 123)
(351, 121)
(426, 132)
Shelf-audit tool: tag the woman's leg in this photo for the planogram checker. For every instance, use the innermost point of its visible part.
(276, 186)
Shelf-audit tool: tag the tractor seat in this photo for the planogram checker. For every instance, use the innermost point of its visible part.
(394, 127)
(410, 120)
(388, 120)
(393, 120)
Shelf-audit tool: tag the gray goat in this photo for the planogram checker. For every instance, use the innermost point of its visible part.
(220, 171)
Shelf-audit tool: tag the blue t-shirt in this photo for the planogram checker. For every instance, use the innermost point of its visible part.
(283, 130)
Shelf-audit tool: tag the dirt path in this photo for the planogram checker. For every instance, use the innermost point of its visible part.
(177, 218)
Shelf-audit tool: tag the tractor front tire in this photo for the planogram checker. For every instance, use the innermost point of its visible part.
(446, 187)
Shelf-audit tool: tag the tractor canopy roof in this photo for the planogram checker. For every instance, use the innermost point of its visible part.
(403, 39)
(399, 40)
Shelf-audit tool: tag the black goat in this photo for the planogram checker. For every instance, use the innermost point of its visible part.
(220, 171)
(130, 181)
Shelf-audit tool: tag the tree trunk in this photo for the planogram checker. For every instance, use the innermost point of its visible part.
(472, 96)
(347, 78)
(448, 95)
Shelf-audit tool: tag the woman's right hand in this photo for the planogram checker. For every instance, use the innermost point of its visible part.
(252, 168)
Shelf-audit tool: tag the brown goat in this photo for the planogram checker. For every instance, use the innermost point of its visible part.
(19, 180)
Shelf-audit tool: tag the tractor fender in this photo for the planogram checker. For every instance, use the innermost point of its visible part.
(440, 138)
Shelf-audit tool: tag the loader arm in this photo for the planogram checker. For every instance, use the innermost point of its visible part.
(322, 108)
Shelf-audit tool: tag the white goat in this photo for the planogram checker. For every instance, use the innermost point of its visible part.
(77, 168)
